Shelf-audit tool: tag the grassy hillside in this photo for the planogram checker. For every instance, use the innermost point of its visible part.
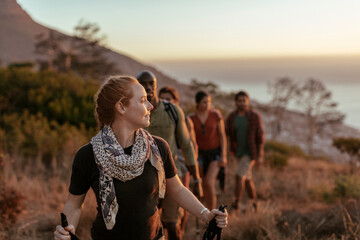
(46, 117)
(307, 199)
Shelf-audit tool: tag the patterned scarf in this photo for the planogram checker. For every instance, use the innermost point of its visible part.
(114, 163)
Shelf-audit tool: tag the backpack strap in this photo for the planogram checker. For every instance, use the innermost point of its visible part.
(170, 109)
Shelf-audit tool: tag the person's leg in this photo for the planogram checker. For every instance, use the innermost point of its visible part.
(209, 184)
(240, 177)
(250, 187)
(186, 182)
(173, 231)
(239, 191)
(200, 161)
(251, 190)
(171, 218)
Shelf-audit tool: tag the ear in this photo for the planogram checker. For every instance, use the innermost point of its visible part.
(120, 108)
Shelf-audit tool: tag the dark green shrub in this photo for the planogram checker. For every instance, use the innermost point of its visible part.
(277, 154)
(276, 160)
(286, 150)
(347, 186)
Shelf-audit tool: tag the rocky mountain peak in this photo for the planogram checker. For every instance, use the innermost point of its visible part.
(10, 8)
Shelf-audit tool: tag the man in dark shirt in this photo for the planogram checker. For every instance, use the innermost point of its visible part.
(246, 140)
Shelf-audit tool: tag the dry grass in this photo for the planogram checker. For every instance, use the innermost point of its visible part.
(289, 206)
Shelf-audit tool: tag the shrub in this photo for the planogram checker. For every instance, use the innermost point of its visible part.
(286, 150)
(350, 146)
(277, 154)
(10, 205)
(276, 160)
(347, 186)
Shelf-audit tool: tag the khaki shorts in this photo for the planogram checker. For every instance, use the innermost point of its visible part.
(171, 212)
(244, 167)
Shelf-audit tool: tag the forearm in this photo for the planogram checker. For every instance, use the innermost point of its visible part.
(72, 209)
(223, 146)
(261, 152)
(194, 171)
(184, 198)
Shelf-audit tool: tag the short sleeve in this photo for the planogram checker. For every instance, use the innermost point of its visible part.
(169, 165)
(80, 176)
(217, 114)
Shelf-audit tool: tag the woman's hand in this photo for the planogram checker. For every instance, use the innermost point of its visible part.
(220, 217)
(223, 161)
(63, 233)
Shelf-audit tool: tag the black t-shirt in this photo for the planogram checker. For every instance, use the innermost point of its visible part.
(138, 216)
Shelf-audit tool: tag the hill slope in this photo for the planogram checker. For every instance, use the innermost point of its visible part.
(17, 40)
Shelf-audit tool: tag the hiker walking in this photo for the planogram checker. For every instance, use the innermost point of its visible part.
(128, 170)
(167, 121)
(211, 140)
(170, 94)
(246, 139)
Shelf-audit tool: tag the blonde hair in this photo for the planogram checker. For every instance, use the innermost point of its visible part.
(114, 89)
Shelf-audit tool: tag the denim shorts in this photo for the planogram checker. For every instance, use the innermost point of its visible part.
(208, 156)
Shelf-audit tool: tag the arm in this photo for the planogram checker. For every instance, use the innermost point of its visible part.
(72, 210)
(184, 141)
(190, 126)
(183, 197)
(260, 140)
(223, 144)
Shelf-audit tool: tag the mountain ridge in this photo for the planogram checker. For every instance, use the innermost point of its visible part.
(17, 44)
(17, 40)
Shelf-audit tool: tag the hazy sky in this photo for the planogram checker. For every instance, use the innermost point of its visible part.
(190, 29)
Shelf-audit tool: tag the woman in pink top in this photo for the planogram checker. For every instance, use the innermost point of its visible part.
(211, 140)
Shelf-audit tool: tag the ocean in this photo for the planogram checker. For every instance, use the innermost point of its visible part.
(341, 75)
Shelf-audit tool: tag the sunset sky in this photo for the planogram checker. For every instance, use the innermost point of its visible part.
(163, 30)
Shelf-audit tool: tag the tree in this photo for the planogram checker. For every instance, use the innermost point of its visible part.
(48, 45)
(206, 86)
(282, 91)
(319, 109)
(82, 53)
(350, 146)
(85, 54)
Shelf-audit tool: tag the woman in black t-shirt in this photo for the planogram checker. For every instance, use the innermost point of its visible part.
(128, 170)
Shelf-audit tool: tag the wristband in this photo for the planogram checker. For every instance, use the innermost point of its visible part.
(204, 210)
(198, 180)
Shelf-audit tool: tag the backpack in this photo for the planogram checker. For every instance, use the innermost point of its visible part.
(170, 109)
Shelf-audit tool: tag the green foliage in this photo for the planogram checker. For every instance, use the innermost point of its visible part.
(347, 186)
(323, 193)
(350, 146)
(282, 148)
(277, 154)
(82, 53)
(63, 98)
(28, 65)
(45, 117)
(40, 141)
(276, 160)
(204, 86)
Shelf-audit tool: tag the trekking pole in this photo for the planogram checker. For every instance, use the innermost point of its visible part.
(213, 230)
(64, 223)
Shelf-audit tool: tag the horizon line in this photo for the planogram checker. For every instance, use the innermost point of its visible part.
(254, 57)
